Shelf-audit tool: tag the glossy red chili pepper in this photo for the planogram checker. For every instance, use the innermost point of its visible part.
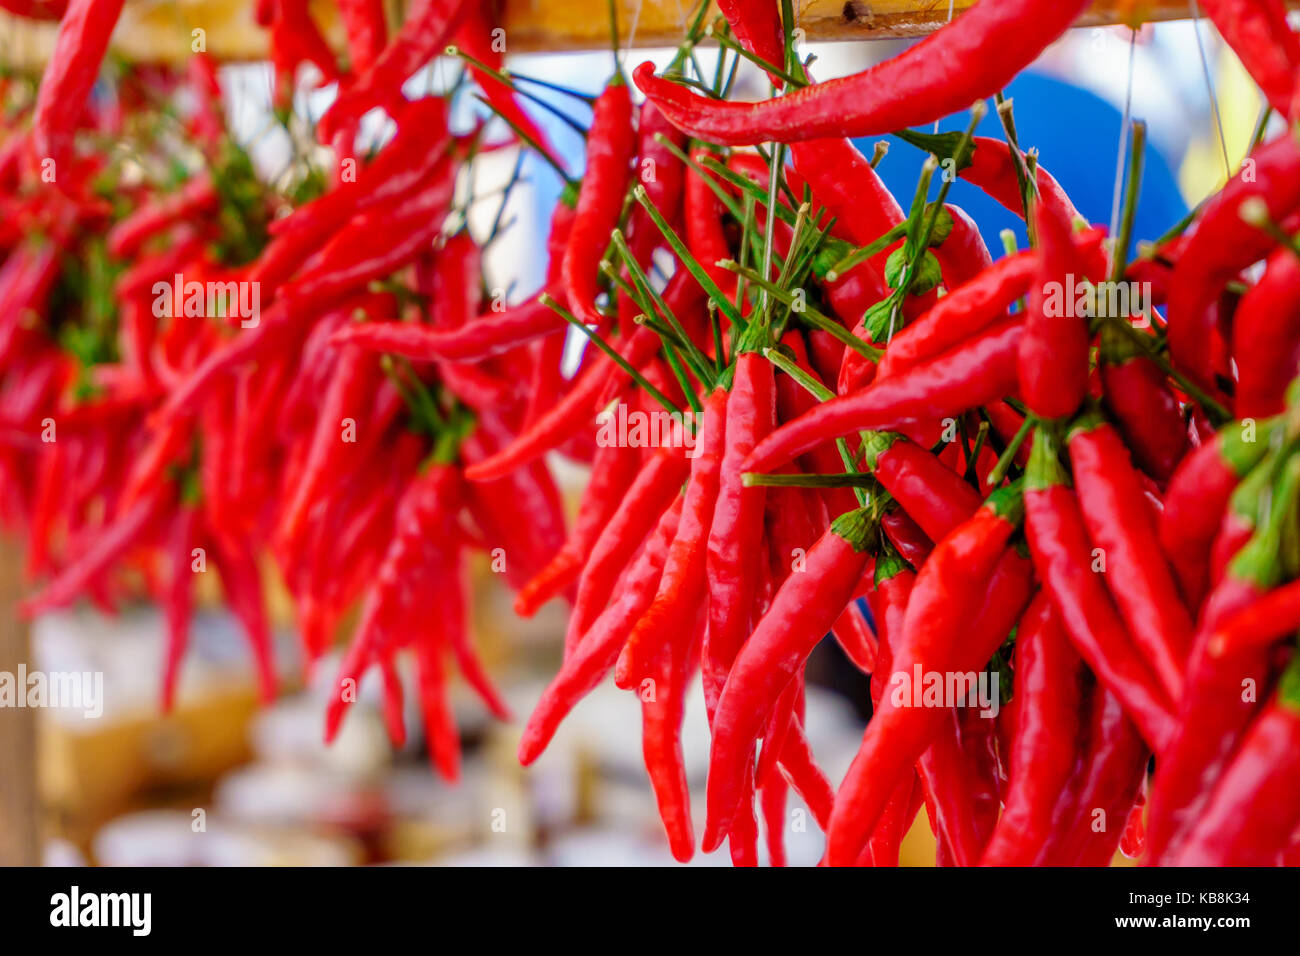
(1136, 392)
(1093, 818)
(979, 371)
(1197, 496)
(735, 534)
(933, 495)
(1048, 684)
(596, 653)
(1250, 817)
(802, 612)
(1120, 523)
(1223, 244)
(962, 313)
(962, 255)
(988, 45)
(611, 146)
(1063, 557)
(757, 25)
(1054, 348)
(1222, 687)
(993, 171)
(940, 634)
(662, 174)
(705, 237)
(683, 585)
(1266, 338)
(1258, 32)
(844, 182)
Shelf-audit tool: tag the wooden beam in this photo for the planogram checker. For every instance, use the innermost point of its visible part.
(19, 809)
(156, 31)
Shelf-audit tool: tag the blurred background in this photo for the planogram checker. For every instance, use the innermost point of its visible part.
(220, 782)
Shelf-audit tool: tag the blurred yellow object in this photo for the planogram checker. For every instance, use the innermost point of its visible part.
(1240, 103)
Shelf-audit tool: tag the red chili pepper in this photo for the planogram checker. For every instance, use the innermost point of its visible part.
(962, 313)
(979, 371)
(735, 535)
(1258, 32)
(933, 495)
(1136, 391)
(1196, 499)
(1250, 817)
(1223, 244)
(1093, 819)
(611, 146)
(1120, 523)
(596, 653)
(801, 614)
(1222, 682)
(366, 31)
(663, 704)
(241, 583)
(79, 50)
(662, 174)
(423, 36)
(936, 637)
(705, 237)
(980, 52)
(1063, 556)
(1054, 348)
(993, 171)
(757, 25)
(1048, 673)
(1266, 338)
(848, 186)
(683, 585)
(962, 255)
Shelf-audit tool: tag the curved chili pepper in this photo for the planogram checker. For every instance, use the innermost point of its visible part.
(938, 635)
(1042, 757)
(844, 182)
(962, 255)
(1251, 815)
(801, 614)
(1122, 526)
(595, 655)
(79, 50)
(933, 495)
(979, 371)
(1223, 244)
(1136, 391)
(1216, 708)
(993, 171)
(1197, 496)
(1266, 338)
(1063, 556)
(705, 237)
(988, 45)
(423, 36)
(1258, 32)
(1108, 781)
(757, 25)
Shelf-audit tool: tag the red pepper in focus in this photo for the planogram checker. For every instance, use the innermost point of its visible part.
(1048, 673)
(1258, 32)
(948, 596)
(979, 371)
(980, 52)
(1120, 523)
(1054, 348)
(802, 612)
(1266, 338)
(1136, 392)
(1063, 557)
(1250, 817)
(611, 146)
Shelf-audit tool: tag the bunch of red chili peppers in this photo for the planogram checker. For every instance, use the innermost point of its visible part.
(970, 471)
